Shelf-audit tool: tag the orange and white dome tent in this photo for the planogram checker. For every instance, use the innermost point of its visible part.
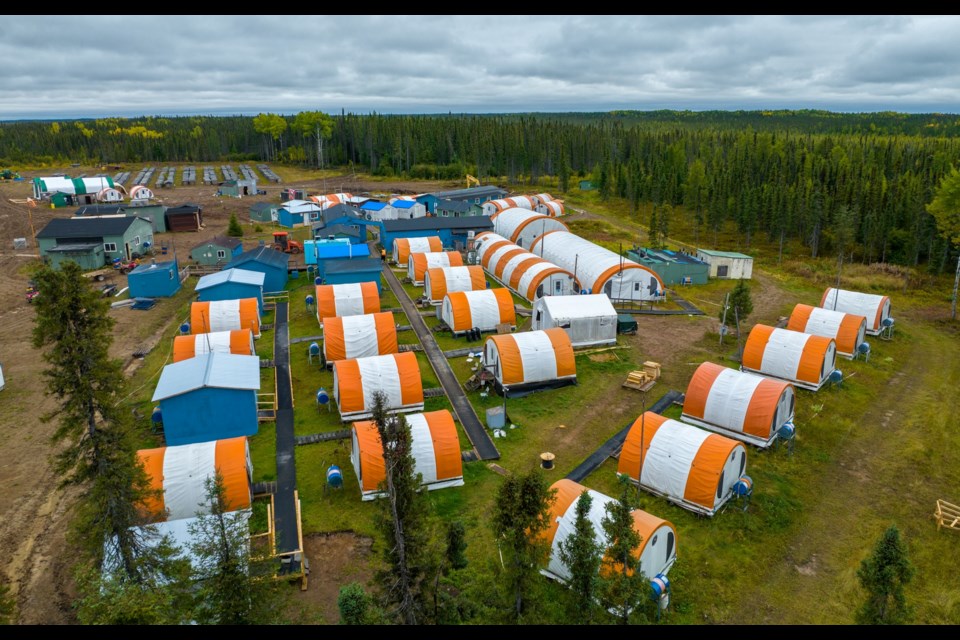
(181, 472)
(526, 274)
(435, 447)
(523, 226)
(805, 360)
(740, 405)
(331, 199)
(403, 247)
(418, 263)
(874, 308)
(239, 341)
(848, 330)
(439, 281)
(658, 538)
(686, 465)
(225, 315)
(553, 208)
(373, 334)
(543, 198)
(530, 360)
(397, 375)
(598, 269)
(493, 207)
(483, 309)
(341, 300)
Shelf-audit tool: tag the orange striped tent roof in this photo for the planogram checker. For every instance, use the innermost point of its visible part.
(225, 315)
(338, 300)
(179, 475)
(483, 309)
(373, 334)
(531, 356)
(356, 380)
(847, 329)
(789, 355)
(418, 263)
(438, 281)
(239, 341)
(403, 247)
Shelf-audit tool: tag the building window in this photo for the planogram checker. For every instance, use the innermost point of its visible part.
(110, 247)
(314, 215)
(722, 270)
(476, 200)
(136, 241)
(221, 253)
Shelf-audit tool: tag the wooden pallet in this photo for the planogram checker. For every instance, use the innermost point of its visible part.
(639, 380)
(947, 515)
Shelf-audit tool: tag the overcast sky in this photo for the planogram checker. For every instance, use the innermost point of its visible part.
(78, 66)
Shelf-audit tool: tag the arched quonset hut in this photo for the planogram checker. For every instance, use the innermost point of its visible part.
(403, 247)
(658, 538)
(239, 341)
(599, 270)
(435, 447)
(373, 334)
(342, 300)
(225, 315)
(874, 308)
(526, 274)
(686, 465)
(522, 226)
(483, 310)
(418, 263)
(740, 405)
(397, 375)
(440, 281)
(805, 360)
(847, 330)
(180, 473)
(531, 360)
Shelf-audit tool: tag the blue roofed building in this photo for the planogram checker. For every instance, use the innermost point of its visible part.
(407, 209)
(268, 261)
(355, 270)
(209, 397)
(154, 280)
(231, 284)
(453, 232)
(374, 210)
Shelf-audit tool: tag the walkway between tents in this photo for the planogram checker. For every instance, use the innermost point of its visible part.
(288, 537)
(479, 437)
(614, 444)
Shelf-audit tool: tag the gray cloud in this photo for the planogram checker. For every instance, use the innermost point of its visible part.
(68, 66)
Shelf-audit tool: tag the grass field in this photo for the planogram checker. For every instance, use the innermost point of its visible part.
(878, 450)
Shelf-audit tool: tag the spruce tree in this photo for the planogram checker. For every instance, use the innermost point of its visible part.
(403, 517)
(234, 229)
(353, 603)
(883, 576)
(582, 554)
(623, 587)
(739, 306)
(235, 579)
(521, 516)
(97, 452)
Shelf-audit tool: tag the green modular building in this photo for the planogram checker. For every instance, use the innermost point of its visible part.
(673, 267)
(264, 212)
(94, 241)
(218, 250)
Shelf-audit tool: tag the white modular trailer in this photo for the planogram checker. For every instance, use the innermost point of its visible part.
(588, 320)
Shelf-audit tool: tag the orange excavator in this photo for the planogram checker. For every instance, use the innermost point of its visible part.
(282, 242)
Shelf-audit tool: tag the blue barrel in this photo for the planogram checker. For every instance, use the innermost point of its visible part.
(310, 270)
(787, 431)
(295, 274)
(157, 416)
(659, 586)
(334, 477)
(743, 486)
(322, 397)
(864, 348)
(309, 301)
(314, 349)
(836, 376)
(887, 322)
(185, 329)
(318, 281)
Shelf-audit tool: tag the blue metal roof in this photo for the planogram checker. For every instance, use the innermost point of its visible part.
(144, 268)
(243, 276)
(221, 370)
(373, 205)
(342, 250)
(266, 255)
(404, 204)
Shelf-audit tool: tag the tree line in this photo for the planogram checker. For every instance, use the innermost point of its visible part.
(818, 177)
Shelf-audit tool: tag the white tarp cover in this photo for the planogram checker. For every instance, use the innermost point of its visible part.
(513, 264)
(588, 320)
(596, 267)
(224, 315)
(874, 308)
(497, 256)
(349, 299)
(417, 245)
(824, 322)
(379, 373)
(359, 336)
(434, 259)
(484, 241)
(457, 279)
(185, 471)
(523, 226)
(667, 463)
(781, 358)
(730, 398)
(217, 342)
(484, 310)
